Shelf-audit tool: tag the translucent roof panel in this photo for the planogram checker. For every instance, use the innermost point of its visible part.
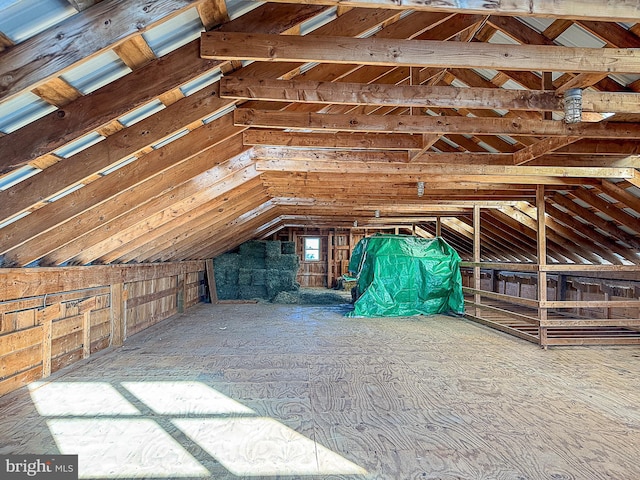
(21, 110)
(201, 82)
(174, 33)
(576, 36)
(96, 72)
(15, 218)
(141, 113)
(78, 145)
(537, 23)
(17, 176)
(237, 8)
(318, 21)
(22, 19)
(501, 38)
(170, 139)
(66, 192)
(118, 165)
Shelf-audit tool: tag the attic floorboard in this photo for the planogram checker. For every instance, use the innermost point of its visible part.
(293, 390)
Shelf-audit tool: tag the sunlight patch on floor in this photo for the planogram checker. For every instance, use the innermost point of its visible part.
(262, 446)
(133, 448)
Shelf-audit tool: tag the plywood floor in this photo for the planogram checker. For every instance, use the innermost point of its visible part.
(275, 391)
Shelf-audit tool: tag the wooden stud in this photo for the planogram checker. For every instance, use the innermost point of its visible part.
(118, 314)
(211, 281)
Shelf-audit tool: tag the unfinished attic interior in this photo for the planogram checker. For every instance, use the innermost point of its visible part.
(140, 141)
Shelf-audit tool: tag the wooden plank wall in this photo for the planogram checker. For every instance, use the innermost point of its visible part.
(53, 317)
(336, 247)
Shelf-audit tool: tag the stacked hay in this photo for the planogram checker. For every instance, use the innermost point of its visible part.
(259, 271)
(227, 270)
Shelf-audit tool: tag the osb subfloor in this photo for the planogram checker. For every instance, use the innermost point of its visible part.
(275, 391)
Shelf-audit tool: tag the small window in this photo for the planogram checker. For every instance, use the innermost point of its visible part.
(311, 249)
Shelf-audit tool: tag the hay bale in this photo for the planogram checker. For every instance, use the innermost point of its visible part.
(288, 248)
(254, 248)
(273, 248)
(278, 281)
(231, 276)
(284, 262)
(226, 269)
(227, 292)
(258, 277)
(248, 292)
(252, 263)
(288, 298)
(244, 276)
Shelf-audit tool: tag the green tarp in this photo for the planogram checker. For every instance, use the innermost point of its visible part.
(399, 275)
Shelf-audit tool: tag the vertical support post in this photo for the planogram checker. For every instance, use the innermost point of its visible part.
(45, 319)
(117, 314)
(180, 292)
(329, 259)
(542, 262)
(211, 281)
(46, 346)
(438, 227)
(547, 84)
(476, 257)
(86, 334)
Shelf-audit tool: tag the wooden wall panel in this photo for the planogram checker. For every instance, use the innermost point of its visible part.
(53, 327)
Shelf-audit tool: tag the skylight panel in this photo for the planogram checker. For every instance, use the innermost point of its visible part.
(22, 19)
(170, 139)
(512, 85)
(485, 73)
(96, 72)
(502, 39)
(78, 145)
(13, 219)
(118, 165)
(488, 147)
(141, 113)
(318, 21)
(201, 82)
(537, 23)
(17, 176)
(174, 33)
(219, 114)
(237, 8)
(66, 192)
(576, 36)
(22, 110)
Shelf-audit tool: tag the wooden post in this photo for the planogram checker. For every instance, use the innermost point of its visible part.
(439, 227)
(86, 334)
(46, 346)
(180, 293)
(329, 259)
(117, 314)
(476, 256)
(547, 84)
(542, 262)
(211, 281)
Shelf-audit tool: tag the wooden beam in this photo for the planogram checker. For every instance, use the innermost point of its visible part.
(141, 184)
(602, 10)
(429, 124)
(397, 95)
(55, 50)
(357, 141)
(541, 148)
(605, 225)
(133, 90)
(417, 53)
(609, 209)
(103, 154)
(273, 158)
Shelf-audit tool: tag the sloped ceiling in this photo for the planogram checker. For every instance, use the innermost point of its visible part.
(137, 131)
